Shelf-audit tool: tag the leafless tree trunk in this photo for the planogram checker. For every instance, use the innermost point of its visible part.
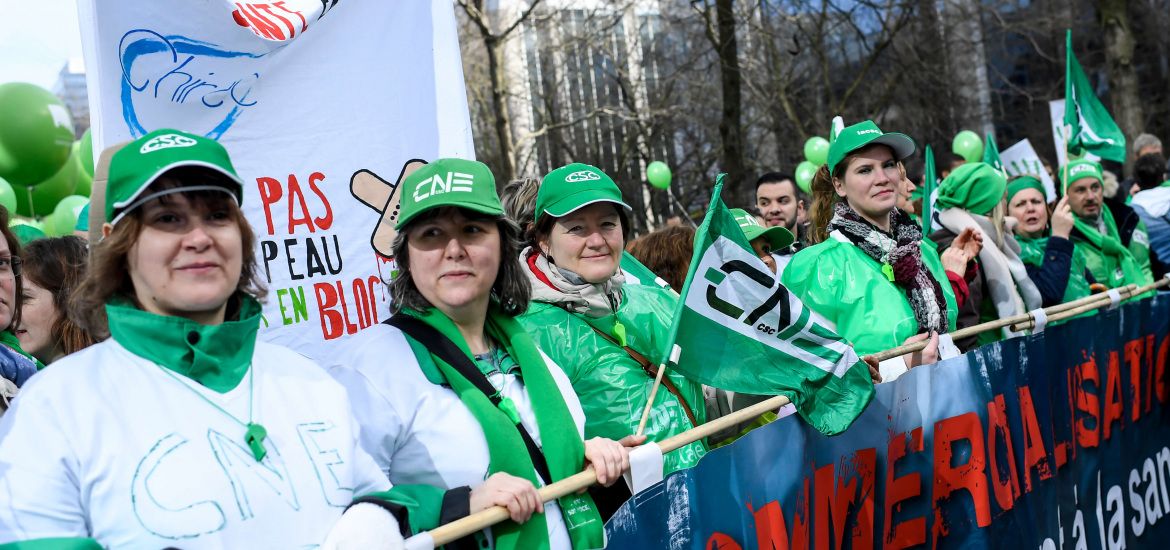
(1123, 79)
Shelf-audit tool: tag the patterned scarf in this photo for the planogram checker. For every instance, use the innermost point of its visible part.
(903, 254)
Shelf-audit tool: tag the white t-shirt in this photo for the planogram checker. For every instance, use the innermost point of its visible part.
(422, 433)
(104, 444)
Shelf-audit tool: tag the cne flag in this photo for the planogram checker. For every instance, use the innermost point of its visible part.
(929, 183)
(737, 328)
(1091, 129)
(991, 154)
(637, 273)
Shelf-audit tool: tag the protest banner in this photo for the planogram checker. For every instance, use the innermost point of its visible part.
(1059, 439)
(322, 105)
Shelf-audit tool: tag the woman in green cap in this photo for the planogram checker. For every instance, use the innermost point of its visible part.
(871, 275)
(1053, 263)
(608, 336)
(181, 429)
(456, 402)
(969, 199)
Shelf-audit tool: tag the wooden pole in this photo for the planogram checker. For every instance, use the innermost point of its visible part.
(650, 402)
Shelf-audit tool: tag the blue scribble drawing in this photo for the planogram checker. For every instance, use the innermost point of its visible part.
(320, 440)
(242, 471)
(177, 70)
(175, 523)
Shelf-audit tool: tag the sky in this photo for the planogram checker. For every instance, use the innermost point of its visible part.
(37, 38)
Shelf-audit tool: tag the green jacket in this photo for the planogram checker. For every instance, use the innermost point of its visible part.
(612, 386)
(1111, 262)
(1032, 253)
(845, 286)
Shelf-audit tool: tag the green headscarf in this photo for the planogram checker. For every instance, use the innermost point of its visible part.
(1024, 182)
(561, 444)
(975, 187)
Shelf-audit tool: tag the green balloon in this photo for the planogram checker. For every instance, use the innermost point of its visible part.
(658, 174)
(84, 179)
(969, 145)
(46, 194)
(36, 133)
(804, 175)
(64, 217)
(86, 153)
(7, 197)
(816, 150)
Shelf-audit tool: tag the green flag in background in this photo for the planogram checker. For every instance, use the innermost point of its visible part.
(929, 182)
(737, 328)
(637, 273)
(1092, 130)
(991, 153)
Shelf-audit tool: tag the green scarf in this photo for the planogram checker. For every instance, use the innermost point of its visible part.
(1118, 255)
(1032, 253)
(216, 356)
(563, 449)
(9, 339)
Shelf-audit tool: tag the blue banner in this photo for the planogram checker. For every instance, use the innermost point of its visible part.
(1056, 440)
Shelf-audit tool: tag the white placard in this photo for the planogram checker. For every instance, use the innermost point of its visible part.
(303, 94)
(1021, 159)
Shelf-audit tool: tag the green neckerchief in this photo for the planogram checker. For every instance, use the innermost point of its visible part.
(216, 356)
(1109, 244)
(1032, 253)
(9, 339)
(562, 446)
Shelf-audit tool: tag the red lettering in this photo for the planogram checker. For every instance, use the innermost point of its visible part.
(835, 496)
(363, 303)
(269, 193)
(332, 323)
(1133, 356)
(268, 10)
(1086, 373)
(911, 532)
(1114, 409)
(771, 532)
(327, 221)
(371, 281)
(1005, 488)
(1035, 455)
(720, 541)
(262, 26)
(295, 193)
(970, 476)
(350, 328)
(304, 24)
(1160, 370)
(1148, 398)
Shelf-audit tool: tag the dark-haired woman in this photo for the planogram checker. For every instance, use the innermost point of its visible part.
(457, 404)
(16, 365)
(52, 269)
(181, 430)
(870, 274)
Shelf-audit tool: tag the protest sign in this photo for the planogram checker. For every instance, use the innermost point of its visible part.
(1057, 440)
(1021, 159)
(321, 105)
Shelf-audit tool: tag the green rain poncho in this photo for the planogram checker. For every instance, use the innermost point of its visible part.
(612, 386)
(845, 286)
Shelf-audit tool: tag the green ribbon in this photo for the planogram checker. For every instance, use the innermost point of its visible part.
(560, 442)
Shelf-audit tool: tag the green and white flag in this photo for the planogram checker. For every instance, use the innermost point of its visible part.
(1091, 128)
(637, 273)
(737, 328)
(991, 153)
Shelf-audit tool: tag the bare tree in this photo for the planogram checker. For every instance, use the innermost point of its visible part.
(1123, 79)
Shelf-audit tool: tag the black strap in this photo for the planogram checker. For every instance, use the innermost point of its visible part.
(446, 350)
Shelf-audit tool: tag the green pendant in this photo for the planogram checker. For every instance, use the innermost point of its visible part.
(509, 408)
(619, 333)
(888, 271)
(254, 437)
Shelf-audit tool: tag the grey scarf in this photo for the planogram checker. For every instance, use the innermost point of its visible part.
(567, 290)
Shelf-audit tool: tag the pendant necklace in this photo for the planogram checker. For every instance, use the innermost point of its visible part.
(254, 433)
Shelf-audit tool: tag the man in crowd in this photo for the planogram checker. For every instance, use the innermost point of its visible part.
(1146, 144)
(779, 203)
(1111, 236)
(1152, 204)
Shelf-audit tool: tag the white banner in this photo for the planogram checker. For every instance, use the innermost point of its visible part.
(1021, 159)
(319, 103)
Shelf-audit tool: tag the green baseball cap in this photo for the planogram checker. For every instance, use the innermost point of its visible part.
(1079, 169)
(864, 134)
(449, 182)
(137, 165)
(570, 187)
(778, 237)
(26, 233)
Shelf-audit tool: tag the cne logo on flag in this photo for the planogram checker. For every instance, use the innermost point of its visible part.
(739, 292)
(455, 182)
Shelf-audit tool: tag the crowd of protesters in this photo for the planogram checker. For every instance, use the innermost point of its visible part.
(519, 350)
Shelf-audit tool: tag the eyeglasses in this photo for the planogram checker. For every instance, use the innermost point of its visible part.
(10, 267)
